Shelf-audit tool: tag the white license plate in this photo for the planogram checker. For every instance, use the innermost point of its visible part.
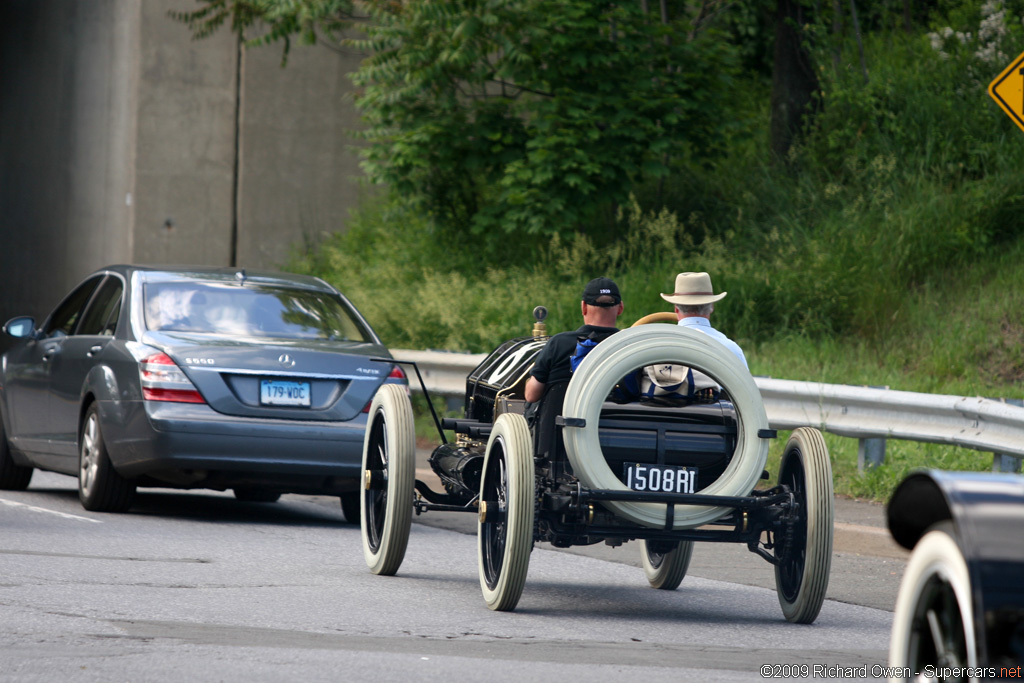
(660, 478)
(277, 393)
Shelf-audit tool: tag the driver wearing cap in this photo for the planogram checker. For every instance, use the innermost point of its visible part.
(601, 306)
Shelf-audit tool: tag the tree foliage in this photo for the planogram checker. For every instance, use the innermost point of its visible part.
(272, 20)
(526, 116)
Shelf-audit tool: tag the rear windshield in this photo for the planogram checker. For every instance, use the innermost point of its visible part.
(249, 311)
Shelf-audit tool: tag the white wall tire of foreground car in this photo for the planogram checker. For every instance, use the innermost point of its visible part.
(389, 455)
(636, 347)
(934, 610)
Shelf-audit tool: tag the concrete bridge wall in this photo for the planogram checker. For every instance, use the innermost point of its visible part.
(123, 140)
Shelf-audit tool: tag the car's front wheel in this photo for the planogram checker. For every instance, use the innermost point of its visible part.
(13, 477)
(100, 487)
(933, 624)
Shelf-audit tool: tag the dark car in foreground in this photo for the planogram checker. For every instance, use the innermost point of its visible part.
(192, 378)
(959, 613)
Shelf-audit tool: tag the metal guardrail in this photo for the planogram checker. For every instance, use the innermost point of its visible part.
(862, 413)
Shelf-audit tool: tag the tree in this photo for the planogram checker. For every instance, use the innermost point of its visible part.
(525, 116)
(794, 82)
(273, 20)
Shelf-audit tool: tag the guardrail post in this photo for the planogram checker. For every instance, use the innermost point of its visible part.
(1000, 461)
(870, 452)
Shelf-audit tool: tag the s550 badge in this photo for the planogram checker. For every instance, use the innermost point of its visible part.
(199, 361)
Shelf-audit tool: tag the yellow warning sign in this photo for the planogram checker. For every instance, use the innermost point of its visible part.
(1008, 90)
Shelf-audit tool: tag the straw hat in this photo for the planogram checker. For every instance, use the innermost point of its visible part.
(693, 289)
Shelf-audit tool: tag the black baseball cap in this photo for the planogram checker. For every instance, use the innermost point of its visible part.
(602, 292)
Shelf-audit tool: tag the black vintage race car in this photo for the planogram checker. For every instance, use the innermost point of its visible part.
(960, 608)
(583, 469)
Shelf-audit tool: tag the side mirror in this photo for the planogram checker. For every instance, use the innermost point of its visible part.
(21, 327)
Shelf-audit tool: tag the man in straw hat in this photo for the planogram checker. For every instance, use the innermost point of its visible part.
(694, 299)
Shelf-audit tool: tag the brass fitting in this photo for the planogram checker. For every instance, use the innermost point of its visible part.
(539, 328)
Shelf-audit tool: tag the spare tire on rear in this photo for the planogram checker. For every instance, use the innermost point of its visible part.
(636, 347)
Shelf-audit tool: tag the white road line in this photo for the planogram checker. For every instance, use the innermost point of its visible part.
(16, 504)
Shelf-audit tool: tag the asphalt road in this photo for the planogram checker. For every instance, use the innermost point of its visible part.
(199, 586)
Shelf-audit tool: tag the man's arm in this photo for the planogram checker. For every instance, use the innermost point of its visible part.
(534, 389)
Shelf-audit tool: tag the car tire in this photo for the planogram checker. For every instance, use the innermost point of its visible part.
(505, 524)
(636, 347)
(389, 465)
(351, 506)
(666, 568)
(13, 477)
(934, 598)
(802, 572)
(100, 487)
(253, 494)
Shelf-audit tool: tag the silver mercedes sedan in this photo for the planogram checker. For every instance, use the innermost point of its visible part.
(204, 378)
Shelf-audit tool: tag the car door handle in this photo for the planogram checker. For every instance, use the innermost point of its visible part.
(94, 350)
(48, 352)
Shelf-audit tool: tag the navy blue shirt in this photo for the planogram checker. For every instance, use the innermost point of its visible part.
(552, 364)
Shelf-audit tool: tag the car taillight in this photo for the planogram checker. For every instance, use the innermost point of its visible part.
(163, 380)
(396, 373)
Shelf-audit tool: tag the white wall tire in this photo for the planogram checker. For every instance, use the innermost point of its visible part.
(505, 527)
(801, 577)
(389, 454)
(936, 579)
(629, 349)
(665, 570)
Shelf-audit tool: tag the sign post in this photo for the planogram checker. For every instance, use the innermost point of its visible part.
(1008, 90)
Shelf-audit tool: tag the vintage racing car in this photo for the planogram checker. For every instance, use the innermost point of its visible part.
(584, 469)
(960, 608)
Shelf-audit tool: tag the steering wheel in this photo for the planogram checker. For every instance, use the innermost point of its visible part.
(659, 317)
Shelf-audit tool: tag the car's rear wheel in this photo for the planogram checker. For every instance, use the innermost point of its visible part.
(389, 462)
(505, 527)
(254, 494)
(805, 555)
(665, 563)
(100, 487)
(934, 619)
(351, 506)
(13, 477)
